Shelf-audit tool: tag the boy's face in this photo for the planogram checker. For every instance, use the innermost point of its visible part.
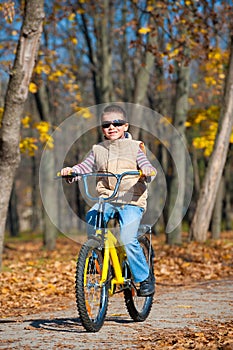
(114, 126)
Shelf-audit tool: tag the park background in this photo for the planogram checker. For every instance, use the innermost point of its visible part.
(58, 58)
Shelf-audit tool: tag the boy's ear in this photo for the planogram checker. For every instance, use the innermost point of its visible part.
(126, 126)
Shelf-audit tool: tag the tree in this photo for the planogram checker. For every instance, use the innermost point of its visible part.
(45, 111)
(205, 204)
(99, 50)
(16, 96)
(181, 107)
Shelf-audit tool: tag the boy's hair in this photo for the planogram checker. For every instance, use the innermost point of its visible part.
(114, 109)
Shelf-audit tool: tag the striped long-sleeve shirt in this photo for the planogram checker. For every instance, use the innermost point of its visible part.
(88, 165)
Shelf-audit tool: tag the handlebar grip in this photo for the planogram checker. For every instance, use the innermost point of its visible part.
(153, 173)
(59, 175)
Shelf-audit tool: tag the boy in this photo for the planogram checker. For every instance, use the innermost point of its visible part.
(119, 153)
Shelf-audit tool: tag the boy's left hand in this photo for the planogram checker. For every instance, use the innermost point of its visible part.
(148, 171)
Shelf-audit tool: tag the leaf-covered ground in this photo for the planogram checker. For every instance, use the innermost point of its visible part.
(34, 280)
(194, 262)
(211, 337)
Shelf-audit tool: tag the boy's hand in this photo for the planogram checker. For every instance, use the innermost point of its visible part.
(66, 171)
(148, 171)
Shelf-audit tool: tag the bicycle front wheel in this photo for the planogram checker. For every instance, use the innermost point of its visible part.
(139, 307)
(91, 298)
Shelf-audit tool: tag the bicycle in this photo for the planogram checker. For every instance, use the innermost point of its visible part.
(102, 268)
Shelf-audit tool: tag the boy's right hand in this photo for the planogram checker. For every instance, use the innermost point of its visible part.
(66, 171)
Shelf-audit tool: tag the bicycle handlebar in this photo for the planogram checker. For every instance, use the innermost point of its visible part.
(84, 177)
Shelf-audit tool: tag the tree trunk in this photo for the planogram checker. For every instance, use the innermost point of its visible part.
(201, 220)
(228, 210)
(143, 75)
(46, 114)
(100, 53)
(142, 81)
(178, 179)
(126, 84)
(16, 96)
(50, 230)
(105, 52)
(34, 197)
(13, 217)
(217, 212)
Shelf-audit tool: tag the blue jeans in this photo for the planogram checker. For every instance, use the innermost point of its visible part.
(129, 220)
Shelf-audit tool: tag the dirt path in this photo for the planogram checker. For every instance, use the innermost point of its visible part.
(173, 309)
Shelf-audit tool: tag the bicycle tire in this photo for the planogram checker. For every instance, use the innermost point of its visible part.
(91, 299)
(139, 307)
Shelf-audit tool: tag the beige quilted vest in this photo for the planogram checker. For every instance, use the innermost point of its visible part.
(117, 157)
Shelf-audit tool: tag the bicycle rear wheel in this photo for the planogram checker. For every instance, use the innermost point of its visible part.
(91, 298)
(139, 307)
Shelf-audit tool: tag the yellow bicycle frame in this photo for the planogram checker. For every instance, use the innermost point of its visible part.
(117, 255)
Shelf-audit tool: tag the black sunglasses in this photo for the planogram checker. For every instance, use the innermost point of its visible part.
(115, 123)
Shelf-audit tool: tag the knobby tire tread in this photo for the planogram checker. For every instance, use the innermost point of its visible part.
(89, 324)
(135, 314)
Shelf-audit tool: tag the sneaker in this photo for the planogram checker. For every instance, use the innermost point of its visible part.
(147, 287)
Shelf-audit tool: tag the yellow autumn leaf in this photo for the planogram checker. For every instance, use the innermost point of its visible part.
(144, 30)
(83, 112)
(42, 127)
(78, 97)
(199, 142)
(5, 290)
(215, 55)
(191, 101)
(33, 88)
(59, 73)
(213, 127)
(86, 113)
(46, 138)
(210, 81)
(26, 121)
(71, 17)
(46, 69)
(203, 31)
(1, 114)
(51, 286)
(38, 68)
(169, 47)
(81, 11)
(231, 138)
(74, 41)
(199, 118)
(161, 87)
(185, 306)
(150, 8)
(209, 149)
(28, 146)
(173, 53)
